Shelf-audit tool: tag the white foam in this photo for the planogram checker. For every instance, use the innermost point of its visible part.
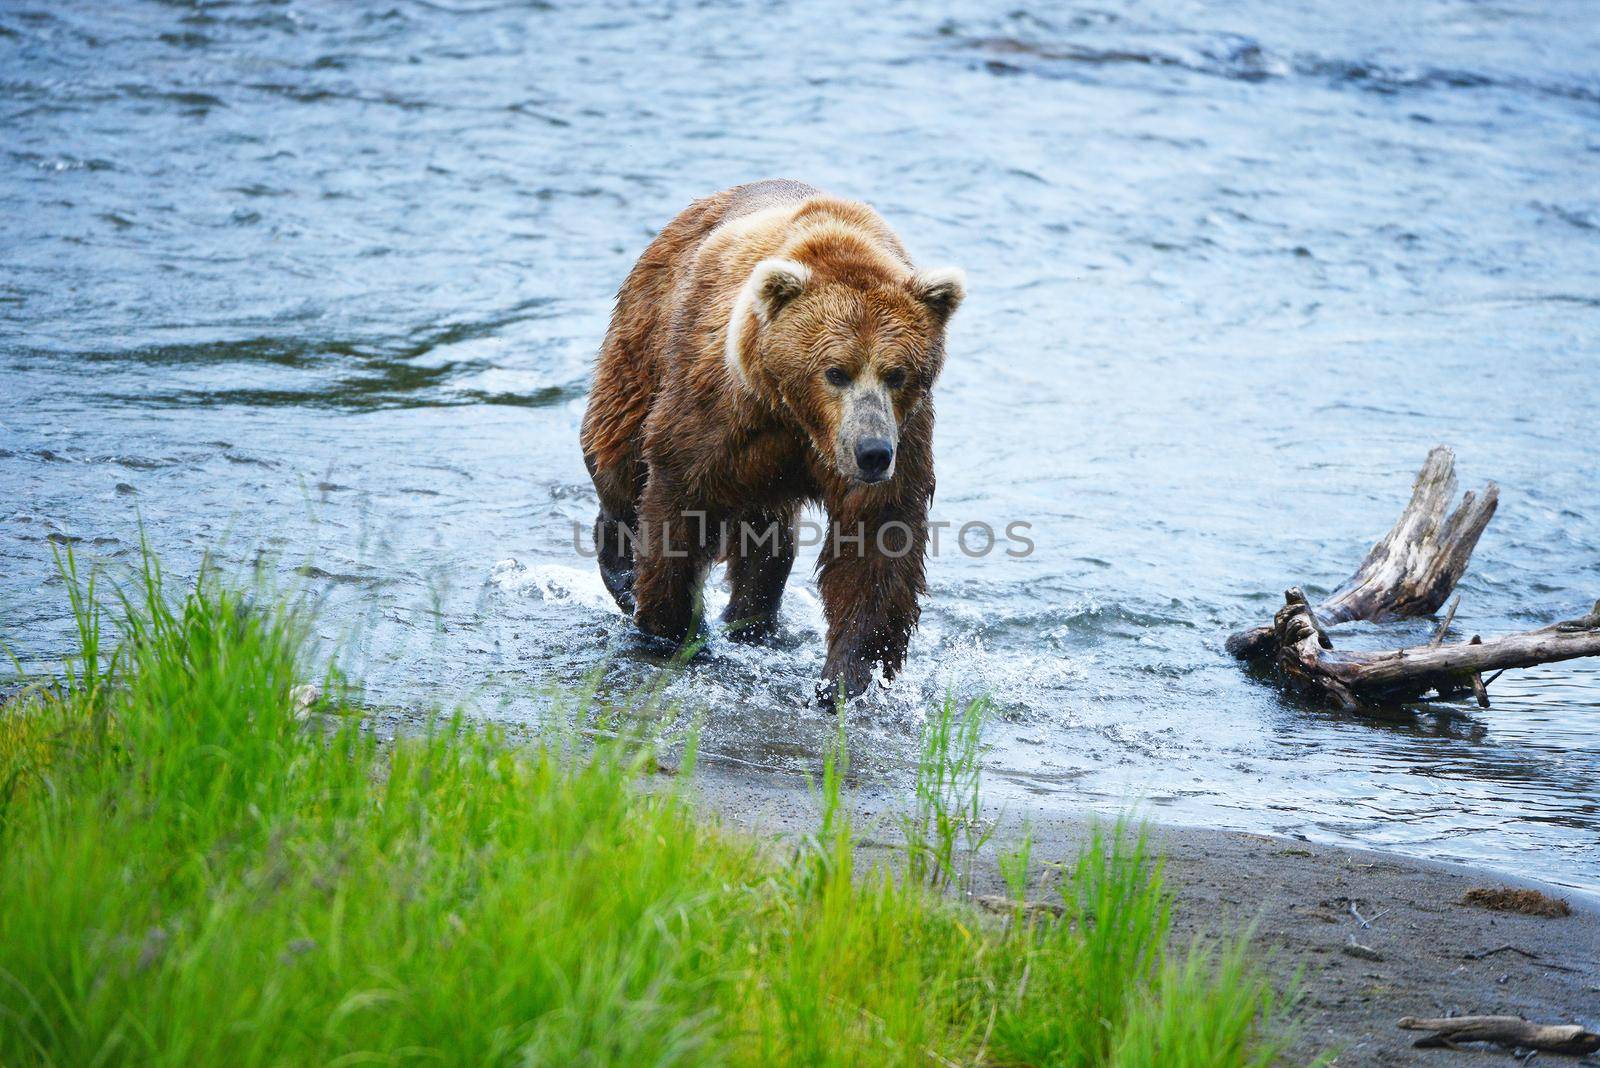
(555, 584)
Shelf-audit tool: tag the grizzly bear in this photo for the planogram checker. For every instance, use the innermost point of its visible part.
(773, 346)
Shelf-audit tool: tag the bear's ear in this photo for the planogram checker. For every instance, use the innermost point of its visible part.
(774, 283)
(940, 289)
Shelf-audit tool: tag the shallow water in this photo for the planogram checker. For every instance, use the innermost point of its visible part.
(319, 283)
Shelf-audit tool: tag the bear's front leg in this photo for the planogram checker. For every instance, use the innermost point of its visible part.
(675, 545)
(872, 578)
(760, 548)
(614, 539)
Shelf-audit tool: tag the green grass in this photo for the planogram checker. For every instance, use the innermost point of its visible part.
(191, 874)
(945, 828)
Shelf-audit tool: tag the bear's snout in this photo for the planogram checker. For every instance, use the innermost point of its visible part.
(867, 434)
(874, 456)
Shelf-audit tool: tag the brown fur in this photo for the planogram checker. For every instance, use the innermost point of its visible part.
(677, 424)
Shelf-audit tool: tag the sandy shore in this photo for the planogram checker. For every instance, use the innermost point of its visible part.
(1423, 952)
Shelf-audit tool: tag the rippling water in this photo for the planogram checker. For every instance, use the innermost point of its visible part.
(320, 283)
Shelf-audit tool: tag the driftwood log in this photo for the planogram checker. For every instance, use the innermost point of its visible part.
(1512, 1031)
(1410, 572)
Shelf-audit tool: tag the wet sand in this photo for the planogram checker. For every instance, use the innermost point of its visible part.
(1299, 897)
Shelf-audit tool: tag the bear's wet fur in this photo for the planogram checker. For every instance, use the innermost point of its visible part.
(772, 346)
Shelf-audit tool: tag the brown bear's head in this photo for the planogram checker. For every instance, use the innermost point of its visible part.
(850, 357)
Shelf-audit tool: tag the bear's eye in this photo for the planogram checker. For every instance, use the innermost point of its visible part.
(836, 376)
(895, 379)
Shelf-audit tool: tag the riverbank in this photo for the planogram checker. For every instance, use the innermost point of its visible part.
(1431, 954)
(206, 861)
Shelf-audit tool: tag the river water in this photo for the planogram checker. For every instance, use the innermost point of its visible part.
(316, 286)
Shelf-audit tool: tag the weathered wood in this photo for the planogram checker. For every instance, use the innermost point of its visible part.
(1300, 642)
(1512, 1031)
(1412, 570)
(1479, 690)
(1449, 618)
(1306, 657)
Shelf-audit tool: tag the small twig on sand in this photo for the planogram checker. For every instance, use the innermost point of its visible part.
(1005, 906)
(1507, 948)
(1353, 948)
(1512, 1031)
(1362, 920)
